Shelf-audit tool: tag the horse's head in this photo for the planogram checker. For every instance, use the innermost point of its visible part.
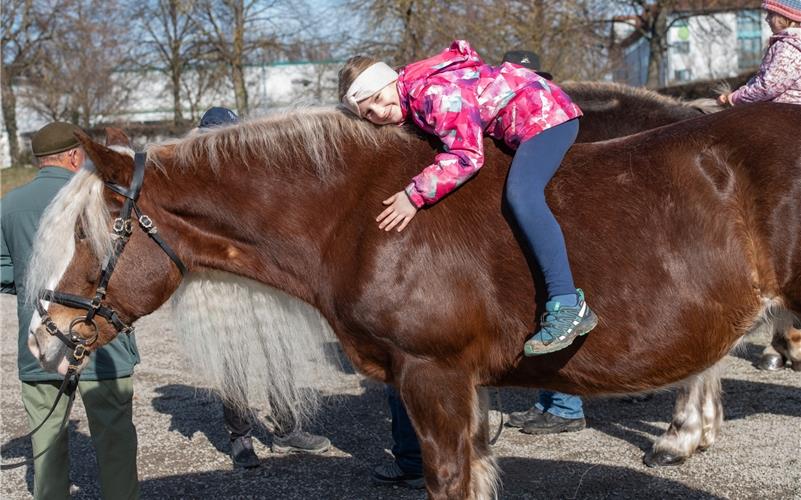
(98, 263)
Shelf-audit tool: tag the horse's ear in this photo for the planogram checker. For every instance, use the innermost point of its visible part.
(116, 137)
(109, 164)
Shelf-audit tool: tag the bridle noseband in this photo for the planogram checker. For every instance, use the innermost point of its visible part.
(123, 228)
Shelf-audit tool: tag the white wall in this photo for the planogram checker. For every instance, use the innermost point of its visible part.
(713, 48)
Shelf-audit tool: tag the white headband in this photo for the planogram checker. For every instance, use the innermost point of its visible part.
(369, 81)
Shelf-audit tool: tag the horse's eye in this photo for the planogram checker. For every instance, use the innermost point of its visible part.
(80, 235)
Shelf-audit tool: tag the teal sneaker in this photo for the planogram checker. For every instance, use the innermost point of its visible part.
(560, 326)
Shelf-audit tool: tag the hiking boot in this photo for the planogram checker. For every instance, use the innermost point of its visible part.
(300, 442)
(242, 452)
(390, 474)
(560, 326)
(519, 418)
(549, 423)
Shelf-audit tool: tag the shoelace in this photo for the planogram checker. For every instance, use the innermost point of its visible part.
(554, 322)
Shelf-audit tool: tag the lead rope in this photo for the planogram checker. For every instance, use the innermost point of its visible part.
(68, 386)
(500, 424)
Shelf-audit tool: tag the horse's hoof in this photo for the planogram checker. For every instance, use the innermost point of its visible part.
(771, 362)
(662, 459)
(796, 366)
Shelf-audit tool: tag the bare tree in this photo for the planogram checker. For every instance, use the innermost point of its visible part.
(405, 30)
(81, 77)
(173, 42)
(236, 30)
(26, 26)
(202, 82)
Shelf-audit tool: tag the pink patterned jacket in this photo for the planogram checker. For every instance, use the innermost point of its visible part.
(457, 97)
(779, 77)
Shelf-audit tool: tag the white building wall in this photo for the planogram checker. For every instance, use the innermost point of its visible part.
(713, 48)
(713, 51)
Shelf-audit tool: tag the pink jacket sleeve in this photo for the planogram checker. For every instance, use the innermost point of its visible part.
(778, 72)
(452, 113)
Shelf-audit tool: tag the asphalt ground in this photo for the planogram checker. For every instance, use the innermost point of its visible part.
(183, 445)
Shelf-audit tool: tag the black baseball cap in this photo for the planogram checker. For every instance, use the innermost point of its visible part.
(527, 59)
(218, 116)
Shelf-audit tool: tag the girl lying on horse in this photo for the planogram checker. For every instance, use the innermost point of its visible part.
(457, 97)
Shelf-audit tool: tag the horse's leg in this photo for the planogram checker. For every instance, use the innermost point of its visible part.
(786, 344)
(484, 469)
(696, 419)
(771, 359)
(711, 407)
(444, 407)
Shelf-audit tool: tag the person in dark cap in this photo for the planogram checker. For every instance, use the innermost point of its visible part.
(287, 438)
(106, 386)
(217, 116)
(527, 59)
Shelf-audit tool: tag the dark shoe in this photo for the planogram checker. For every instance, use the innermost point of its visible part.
(519, 418)
(242, 453)
(390, 474)
(560, 326)
(552, 424)
(300, 442)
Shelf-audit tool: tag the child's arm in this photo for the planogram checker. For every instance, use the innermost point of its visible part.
(780, 69)
(452, 113)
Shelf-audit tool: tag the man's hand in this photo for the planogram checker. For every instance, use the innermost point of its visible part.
(723, 99)
(400, 211)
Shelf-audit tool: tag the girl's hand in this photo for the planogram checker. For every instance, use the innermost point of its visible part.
(723, 99)
(400, 211)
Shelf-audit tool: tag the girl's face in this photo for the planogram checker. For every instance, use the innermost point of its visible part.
(776, 22)
(383, 107)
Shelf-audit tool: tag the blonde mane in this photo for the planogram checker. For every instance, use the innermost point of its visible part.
(80, 200)
(317, 134)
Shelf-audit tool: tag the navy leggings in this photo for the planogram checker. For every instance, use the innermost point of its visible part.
(533, 166)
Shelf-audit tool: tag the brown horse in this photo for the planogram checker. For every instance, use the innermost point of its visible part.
(679, 236)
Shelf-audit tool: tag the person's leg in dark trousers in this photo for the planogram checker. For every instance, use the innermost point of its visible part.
(239, 425)
(407, 469)
(536, 161)
(406, 447)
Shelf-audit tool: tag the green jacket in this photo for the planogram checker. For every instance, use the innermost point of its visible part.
(20, 212)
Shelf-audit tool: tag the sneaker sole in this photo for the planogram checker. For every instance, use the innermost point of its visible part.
(537, 432)
(593, 322)
(291, 449)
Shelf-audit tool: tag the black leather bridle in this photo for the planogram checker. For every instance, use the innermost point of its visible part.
(122, 228)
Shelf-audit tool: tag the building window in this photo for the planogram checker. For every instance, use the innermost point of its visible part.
(749, 39)
(682, 75)
(681, 47)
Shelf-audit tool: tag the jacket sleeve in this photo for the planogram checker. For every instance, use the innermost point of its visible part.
(452, 113)
(779, 71)
(6, 267)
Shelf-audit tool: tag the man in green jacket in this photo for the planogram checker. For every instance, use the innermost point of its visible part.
(106, 387)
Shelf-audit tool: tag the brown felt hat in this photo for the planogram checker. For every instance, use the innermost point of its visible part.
(54, 138)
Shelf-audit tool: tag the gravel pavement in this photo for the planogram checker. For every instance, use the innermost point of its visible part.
(183, 445)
